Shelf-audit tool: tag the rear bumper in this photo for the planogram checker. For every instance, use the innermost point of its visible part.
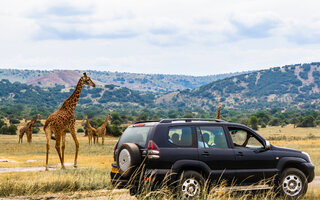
(309, 167)
(157, 175)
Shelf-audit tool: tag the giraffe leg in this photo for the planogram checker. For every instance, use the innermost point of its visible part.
(48, 136)
(97, 138)
(74, 136)
(58, 147)
(90, 138)
(103, 134)
(63, 148)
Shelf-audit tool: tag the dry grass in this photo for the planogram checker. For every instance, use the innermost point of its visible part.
(95, 163)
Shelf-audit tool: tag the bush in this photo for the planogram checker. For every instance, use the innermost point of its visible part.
(254, 122)
(14, 121)
(35, 130)
(11, 130)
(308, 121)
(263, 125)
(80, 130)
(275, 122)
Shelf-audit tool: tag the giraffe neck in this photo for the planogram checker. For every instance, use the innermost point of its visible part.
(71, 102)
(33, 121)
(88, 123)
(105, 122)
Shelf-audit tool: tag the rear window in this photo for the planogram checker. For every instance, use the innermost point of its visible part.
(137, 135)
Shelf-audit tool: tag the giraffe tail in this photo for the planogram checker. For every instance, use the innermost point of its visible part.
(53, 138)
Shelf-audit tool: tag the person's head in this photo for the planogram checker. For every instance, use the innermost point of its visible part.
(206, 137)
(175, 138)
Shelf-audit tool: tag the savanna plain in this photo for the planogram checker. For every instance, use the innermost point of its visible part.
(22, 172)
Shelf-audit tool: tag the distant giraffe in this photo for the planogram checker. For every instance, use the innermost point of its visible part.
(91, 132)
(219, 110)
(27, 129)
(101, 130)
(63, 120)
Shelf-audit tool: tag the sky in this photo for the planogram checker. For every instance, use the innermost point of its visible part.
(192, 37)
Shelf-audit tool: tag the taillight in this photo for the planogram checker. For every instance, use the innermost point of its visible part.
(153, 150)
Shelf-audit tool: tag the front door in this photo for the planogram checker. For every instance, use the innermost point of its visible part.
(214, 150)
(253, 162)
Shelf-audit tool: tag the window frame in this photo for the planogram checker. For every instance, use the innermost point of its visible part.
(257, 136)
(193, 132)
(226, 134)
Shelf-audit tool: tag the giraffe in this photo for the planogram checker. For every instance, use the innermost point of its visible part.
(63, 120)
(101, 130)
(91, 131)
(219, 109)
(27, 129)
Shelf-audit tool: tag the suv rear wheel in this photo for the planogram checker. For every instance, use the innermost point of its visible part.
(293, 183)
(190, 185)
(128, 159)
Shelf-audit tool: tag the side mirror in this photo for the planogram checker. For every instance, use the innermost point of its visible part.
(267, 147)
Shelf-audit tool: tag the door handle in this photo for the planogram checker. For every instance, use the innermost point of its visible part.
(205, 153)
(239, 153)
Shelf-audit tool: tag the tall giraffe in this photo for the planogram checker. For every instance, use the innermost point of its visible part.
(91, 131)
(101, 130)
(63, 120)
(27, 129)
(219, 110)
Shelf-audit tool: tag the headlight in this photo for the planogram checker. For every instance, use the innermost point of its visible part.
(305, 153)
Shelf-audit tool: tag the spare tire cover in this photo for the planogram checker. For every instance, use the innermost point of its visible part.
(128, 159)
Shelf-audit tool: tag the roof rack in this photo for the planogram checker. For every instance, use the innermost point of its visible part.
(146, 121)
(191, 119)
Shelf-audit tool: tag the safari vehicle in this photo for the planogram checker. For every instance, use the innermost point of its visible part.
(195, 150)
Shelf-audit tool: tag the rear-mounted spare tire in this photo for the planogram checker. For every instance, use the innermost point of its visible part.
(128, 159)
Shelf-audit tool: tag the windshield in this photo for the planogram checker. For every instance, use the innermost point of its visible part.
(137, 135)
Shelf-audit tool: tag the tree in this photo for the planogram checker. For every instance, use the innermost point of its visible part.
(307, 121)
(253, 122)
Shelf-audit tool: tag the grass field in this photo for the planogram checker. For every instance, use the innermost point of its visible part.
(94, 162)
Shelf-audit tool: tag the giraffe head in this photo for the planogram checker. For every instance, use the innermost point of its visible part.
(87, 80)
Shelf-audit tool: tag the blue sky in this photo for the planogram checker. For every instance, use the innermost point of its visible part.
(194, 37)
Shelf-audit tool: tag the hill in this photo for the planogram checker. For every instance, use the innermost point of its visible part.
(292, 86)
(141, 82)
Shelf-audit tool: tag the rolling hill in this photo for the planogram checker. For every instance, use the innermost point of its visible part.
(295, 86)
(141, 82)
(292, 86)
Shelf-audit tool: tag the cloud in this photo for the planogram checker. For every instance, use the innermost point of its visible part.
(51, 32)
(259, 29)
(68, 10)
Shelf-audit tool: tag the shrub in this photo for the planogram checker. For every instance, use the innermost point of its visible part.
(308, 121)
(14, 121)
(80, 130)
(35, 130)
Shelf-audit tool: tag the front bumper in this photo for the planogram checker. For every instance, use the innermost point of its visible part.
(309, 167)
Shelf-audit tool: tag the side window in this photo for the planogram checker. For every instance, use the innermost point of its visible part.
(211, 137)
(243, 138)
(180, 136)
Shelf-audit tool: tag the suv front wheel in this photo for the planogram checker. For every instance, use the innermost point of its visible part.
(191, 184)
(293, 183)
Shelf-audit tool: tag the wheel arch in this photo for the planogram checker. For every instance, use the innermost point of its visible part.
(198, 166)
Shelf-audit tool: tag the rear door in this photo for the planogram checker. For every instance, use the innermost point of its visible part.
(253, 163)
(215, 151)
(178, 143)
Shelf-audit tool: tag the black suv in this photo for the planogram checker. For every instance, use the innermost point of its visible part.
(196, 150)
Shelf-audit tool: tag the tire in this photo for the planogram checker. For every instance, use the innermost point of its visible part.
(190, 185)
(293, 183)
(128, 159)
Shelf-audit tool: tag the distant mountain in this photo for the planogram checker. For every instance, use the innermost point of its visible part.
(141, 82)
(289, 86)
(292, 86)
(65, 77)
